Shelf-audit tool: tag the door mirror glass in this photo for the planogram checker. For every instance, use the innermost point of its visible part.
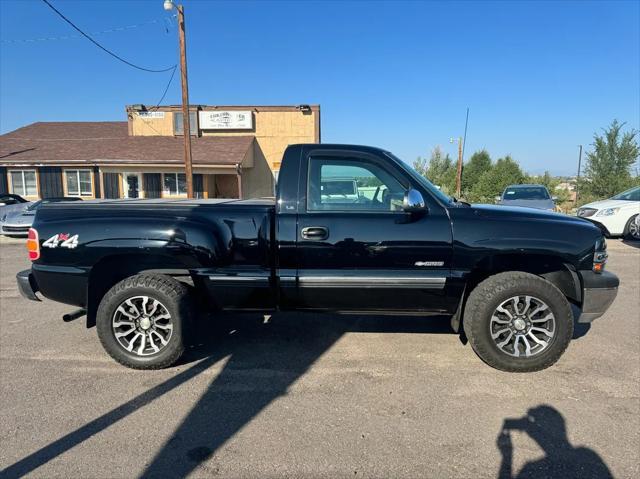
(413, 201)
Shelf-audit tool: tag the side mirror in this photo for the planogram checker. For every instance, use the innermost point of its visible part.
(554, 199)
(413, 201)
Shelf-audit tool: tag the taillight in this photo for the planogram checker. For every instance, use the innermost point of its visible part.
(33, 245)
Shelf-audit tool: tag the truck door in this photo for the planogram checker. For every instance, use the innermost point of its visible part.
(357, 249)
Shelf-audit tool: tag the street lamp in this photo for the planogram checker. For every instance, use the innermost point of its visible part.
(186, 123)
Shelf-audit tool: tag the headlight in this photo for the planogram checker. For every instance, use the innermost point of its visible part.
(600, 255)
(607, 212)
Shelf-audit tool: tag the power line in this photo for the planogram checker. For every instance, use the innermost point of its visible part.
(103, 48)
(70, 37)
(175, 67)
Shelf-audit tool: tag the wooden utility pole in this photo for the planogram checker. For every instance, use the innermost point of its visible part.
(186, 123)
(459, 173)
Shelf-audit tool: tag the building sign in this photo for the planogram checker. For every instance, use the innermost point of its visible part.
(151, 115)
(226, 120)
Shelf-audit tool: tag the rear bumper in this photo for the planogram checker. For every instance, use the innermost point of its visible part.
(598, 292)
(27, 285)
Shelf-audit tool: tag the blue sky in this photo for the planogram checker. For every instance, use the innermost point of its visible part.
(539, 77)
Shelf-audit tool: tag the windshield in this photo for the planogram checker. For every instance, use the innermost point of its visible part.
(34, 206)
(630, 195)
(422, 180)
(526, 193)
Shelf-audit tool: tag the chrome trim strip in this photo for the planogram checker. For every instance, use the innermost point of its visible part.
(253, 279)
(372, 282)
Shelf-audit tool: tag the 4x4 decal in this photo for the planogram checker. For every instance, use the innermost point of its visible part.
(64, 240)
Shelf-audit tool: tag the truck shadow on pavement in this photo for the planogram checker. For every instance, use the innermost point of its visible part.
(547, 427)
(264, 360)
(632, 243)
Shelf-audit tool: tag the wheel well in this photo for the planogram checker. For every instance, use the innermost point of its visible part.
(553, 269)
(112, 269)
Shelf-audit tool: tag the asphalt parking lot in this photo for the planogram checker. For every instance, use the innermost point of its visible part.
(318, 396)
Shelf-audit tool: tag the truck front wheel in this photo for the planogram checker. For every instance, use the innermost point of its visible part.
(141, 321)
(518, 322)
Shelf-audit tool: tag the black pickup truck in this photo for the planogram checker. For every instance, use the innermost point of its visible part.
(352, 228)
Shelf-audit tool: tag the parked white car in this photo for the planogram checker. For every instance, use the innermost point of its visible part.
(617, 216)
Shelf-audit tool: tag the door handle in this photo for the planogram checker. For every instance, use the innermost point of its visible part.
(315, 233)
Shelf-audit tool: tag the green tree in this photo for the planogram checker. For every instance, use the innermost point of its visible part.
(504, 172)
(546, 180)
(420, 165)
(608, 166)
(478, 164)
(440, 170)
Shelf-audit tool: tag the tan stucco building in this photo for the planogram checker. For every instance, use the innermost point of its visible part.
(236, 153)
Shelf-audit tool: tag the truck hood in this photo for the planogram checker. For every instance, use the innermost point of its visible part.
(539, 204)
(519, 212)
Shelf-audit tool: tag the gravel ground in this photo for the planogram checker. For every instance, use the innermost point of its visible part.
(315, 395)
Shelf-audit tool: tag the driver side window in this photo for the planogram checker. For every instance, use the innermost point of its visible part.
(346, 184)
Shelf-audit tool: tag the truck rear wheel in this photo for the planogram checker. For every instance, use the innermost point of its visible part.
(518, 322)
(141, 321)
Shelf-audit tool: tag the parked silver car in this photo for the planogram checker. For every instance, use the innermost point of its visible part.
(532, 196)
(17, 221)
(10, 202)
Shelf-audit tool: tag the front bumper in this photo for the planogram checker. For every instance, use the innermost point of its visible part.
(598, 292)
(14, 230)
(27, 285)
(612, 225)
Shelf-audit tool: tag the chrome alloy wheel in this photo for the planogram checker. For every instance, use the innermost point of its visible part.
(522, 326)
(142, 325)
(634, 227)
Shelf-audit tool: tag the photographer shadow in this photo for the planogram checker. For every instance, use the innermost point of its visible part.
(546, 426)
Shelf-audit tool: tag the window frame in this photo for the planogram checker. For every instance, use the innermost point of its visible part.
(354, 157)
(24, 183)
(177, 194)
(192, 124)
(77, 171)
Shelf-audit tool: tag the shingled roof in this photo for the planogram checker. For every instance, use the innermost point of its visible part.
(108, 143)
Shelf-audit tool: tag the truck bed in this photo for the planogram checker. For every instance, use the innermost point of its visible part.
(162, 202)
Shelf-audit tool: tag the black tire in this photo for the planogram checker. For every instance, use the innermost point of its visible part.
(630, 229)
(171, 294)
(491, 293)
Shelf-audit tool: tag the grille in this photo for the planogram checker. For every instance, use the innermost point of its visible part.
(15, 229)
(586, 212)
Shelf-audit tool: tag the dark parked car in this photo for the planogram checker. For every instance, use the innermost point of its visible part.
(531, 196)
(18, 221)
(507, 277)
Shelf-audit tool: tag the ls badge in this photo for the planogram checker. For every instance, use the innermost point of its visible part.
(429, 263)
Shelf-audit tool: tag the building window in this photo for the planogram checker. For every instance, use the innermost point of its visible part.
(23, 182)
(79, 182)
(178, 127)
(175, 184)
